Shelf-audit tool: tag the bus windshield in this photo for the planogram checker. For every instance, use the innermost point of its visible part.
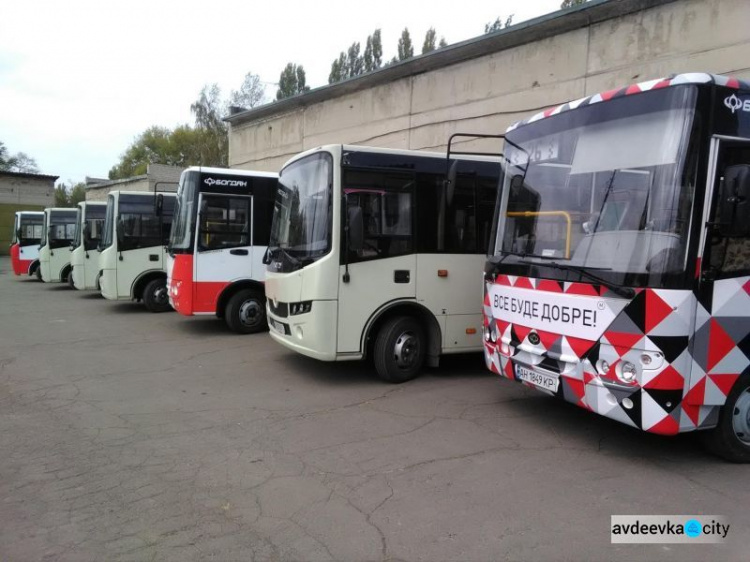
(30, 229)
(181, 235)
(301, 227)
(109, 224)
(78, 236)
(604, 188)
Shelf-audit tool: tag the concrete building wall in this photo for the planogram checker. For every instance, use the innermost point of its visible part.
(502, 78)
(22, 192)
(158, 177)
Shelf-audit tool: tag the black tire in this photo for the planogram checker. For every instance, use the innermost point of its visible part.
(245, 312)
(37, 272)
(730, 439)
(155, 295)
(400, 349)
(69, 277)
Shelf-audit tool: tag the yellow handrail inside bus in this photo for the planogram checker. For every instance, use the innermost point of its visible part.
(564, 214)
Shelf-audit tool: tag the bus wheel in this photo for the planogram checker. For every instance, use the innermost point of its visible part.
(731, 438)
(38, 273)
(400, 349)
(246, 312)
(155, 296)
(71, 284)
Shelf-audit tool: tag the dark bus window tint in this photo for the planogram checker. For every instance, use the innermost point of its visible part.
(224, 222)
(386, 201)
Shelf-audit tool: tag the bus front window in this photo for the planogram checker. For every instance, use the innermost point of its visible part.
(109, 224)
(301, 228)
(181, 235)
(603, 188)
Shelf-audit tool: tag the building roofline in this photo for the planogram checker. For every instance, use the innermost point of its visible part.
(28, 175)
(110, 183)
(555, 23)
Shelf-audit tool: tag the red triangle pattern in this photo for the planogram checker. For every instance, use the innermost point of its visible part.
(550, 286)
(608, 95)
(719, 344)
(502, 280)
(521, 331)
(733, 83)
(633, 89)
(746, 286)
(577, 386)
(667, 426)
(622, 342)
(547, 338)
(579, 346)
(523, 283)
(696, 395)
(582, 289)
(662, 84)
(668, 379)
(508, 369)
(656, 310)
(692, 412)
(724, 381)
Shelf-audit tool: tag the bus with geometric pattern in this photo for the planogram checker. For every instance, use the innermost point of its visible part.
(618, 278)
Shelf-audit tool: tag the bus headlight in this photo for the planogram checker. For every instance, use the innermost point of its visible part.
(626, 372)
(300, 307)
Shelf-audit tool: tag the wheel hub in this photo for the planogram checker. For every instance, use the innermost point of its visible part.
(406, 350)
(250, 313)
(160, 295)
(741, 417)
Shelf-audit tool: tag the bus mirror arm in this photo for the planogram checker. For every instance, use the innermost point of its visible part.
(734, 202)
(355, 235)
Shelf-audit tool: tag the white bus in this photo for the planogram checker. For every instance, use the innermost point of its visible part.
(84, 259)
(54, 250)
(132, 260)
(219, 236)
(372, 255)
(24, 246)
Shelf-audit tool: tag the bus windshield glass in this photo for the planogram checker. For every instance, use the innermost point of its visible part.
(109, 223)
(30, 229)
(78, 236)
(607, 188)
(181, 236)
(301, 228)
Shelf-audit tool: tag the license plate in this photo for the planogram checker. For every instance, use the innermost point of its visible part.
(540, 380)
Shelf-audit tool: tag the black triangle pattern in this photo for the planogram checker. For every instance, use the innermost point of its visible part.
(667, 399)
(636, 311)
(671, 346)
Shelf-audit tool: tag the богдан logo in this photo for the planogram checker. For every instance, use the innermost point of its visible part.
(736, 104)
(222, 182)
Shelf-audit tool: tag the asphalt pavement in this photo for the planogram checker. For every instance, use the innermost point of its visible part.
(126, 435)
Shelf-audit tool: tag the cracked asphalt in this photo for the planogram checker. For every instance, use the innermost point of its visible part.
(126, 435)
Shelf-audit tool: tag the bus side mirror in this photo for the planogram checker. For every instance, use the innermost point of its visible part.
(356, 229)
(159, 204)
(734, 202)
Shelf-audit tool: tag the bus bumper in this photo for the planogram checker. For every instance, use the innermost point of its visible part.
(312, 334)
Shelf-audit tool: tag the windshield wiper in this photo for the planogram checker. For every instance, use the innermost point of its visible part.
(293, 261)
(626, 292)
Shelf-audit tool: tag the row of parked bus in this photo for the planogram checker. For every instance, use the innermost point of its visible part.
(613, 231)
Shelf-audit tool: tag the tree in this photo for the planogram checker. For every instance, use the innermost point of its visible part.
(252, 92)
(497, 25)
(571, 3)
(292, 82)
(61, 196)
(184, 146)
(77, 194)
(430, 40)
(19, 162)
(212, 139)
(338, 68)
(405, 47)
(442, 43)
(377, 50)
(354, 63)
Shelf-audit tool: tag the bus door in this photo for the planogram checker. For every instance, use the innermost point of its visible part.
(721, 343)
(384, 268)
(223, 247)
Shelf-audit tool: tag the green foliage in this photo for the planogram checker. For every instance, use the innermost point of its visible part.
(61, 196)
(571, 3)
(405, 47)
(77, 194)
(292, 82)
(430, 41)
(350, 63)
(252, 92)
(497, 25)
(19, 162)
(442, 43)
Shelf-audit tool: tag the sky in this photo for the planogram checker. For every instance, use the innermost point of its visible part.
(80, 80)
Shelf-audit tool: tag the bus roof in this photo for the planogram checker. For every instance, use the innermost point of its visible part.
(673, 80)
(231, 171)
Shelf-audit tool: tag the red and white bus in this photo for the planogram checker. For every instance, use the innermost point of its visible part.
(24, 246)
(619, 277)
(219, 237)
